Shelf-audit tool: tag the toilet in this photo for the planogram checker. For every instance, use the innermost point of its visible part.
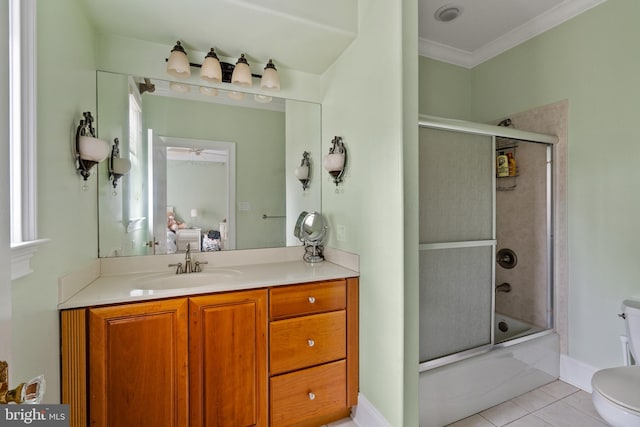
(616, 391)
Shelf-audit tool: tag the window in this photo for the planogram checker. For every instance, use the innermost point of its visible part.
(22, 135)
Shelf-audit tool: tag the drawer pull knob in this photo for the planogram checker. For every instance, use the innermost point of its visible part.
(312, 396)
(311, 343)
(312, 300)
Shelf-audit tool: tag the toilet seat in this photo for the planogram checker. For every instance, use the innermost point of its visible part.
(620, 386)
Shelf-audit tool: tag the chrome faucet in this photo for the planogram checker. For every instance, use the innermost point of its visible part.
(188, 267)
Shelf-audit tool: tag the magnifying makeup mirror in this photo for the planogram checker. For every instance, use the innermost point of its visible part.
(311, 229)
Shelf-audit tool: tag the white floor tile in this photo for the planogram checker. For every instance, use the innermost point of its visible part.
(582, 402)
(504, 413)
(472, 421)
(560, 414)
(558, 389)
(529, 421)
(534, 400)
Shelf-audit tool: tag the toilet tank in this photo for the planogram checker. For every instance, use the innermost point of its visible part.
(631, 310)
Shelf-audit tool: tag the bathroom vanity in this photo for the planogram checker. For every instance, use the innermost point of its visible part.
(253, 349)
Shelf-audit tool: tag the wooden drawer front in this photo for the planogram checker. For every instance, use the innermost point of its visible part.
(307, 341)
(308, 394)
(289, 301)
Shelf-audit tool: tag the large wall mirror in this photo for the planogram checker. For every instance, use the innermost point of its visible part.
(209, 167)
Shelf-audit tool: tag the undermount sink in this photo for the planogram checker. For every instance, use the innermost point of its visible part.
(170, 280)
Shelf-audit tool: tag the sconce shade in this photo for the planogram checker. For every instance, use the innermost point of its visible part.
(302, 172)
(211, 70)
(333, 162)
(120, 166)
(178, 63)
(270, 79)
(242, 73)
(93, 149)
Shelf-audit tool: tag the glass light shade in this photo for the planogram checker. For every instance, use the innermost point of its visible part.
(302, 172)
(270, 79)
(209, 91)
(179, 87)
(211, 70)
(120, 166)
(93, 149)
(242, 73)
(236, 95)
(263, 99)
(178, 63)
(333, 162)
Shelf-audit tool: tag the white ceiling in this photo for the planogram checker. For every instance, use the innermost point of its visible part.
(487, 28)
(309, 35)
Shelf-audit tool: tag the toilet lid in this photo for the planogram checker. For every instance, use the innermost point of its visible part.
(619, 385)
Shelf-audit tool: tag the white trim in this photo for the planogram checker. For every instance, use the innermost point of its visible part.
(367, 415)
(21, 254)
(538, 25)
(576, 373)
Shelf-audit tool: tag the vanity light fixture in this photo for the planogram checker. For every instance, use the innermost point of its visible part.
(213, 70)
(178, 63)
(89, 150)
(118, 166)
(336, 161)
(242, 73)
(303, 172)
(270, 79)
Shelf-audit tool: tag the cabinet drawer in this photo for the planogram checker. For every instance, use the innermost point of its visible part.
(307, 341)
(308, 394)
(289, 301)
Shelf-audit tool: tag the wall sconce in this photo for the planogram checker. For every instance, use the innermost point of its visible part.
(118, 166)
(303, 172)
(215, 71)
(336, 161)
(89, 150)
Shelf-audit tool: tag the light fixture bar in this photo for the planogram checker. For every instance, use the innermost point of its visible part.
(227, 70)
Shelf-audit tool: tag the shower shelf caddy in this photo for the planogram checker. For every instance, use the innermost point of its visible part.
(507, 183)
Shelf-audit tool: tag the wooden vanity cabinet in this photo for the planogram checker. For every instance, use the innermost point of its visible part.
(280, 356)
(198, 361)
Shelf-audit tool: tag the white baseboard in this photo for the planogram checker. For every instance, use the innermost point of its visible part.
(576, 373)
(367, 415)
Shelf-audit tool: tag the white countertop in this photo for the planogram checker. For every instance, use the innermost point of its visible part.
(142, 286)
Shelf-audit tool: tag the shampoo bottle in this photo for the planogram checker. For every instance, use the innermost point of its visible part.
(502, 165)
(512, 164)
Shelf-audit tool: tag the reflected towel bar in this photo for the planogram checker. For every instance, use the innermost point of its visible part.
(265, 216)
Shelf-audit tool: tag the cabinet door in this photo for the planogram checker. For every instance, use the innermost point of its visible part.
(228, 358)
(138, 361)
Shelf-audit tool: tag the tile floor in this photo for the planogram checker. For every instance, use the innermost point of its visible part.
(557, 404)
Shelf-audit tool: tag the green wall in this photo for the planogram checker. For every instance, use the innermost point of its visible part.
(66, 213)
(368, 109)
(5, 255)
(444, 89)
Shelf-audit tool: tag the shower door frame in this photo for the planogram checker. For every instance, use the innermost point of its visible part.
(452, 125)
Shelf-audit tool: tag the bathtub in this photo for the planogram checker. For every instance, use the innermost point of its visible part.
(524, 358)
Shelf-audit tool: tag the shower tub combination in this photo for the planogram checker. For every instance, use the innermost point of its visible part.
(475, 349)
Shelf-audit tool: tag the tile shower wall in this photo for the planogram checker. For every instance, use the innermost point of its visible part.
(521, 226)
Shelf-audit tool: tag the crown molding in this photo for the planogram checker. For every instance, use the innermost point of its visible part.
(540, 24)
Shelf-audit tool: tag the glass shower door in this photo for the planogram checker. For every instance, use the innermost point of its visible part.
(457, 243)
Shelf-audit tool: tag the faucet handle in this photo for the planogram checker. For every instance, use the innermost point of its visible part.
(198, 269)
(178, 266)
